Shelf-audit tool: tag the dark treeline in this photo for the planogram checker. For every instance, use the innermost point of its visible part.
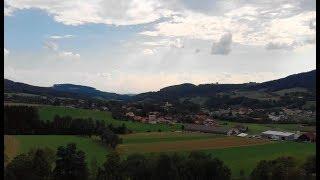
(25, 120)
(70, 163)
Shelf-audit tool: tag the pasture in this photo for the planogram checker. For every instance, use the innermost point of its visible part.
(48, 113)
(92, 148)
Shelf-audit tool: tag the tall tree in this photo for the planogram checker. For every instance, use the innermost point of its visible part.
(70, 163)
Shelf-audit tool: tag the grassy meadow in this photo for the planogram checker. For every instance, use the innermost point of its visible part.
(48, 113)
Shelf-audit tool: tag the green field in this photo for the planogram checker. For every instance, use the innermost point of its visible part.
(246, 158)
(48, 113)
(254, 128)
(92, 148)
(236, 158)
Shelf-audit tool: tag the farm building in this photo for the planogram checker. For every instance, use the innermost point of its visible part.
(310, 136)
(278, 135)
(206, 129)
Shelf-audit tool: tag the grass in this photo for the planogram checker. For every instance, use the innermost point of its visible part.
(246, 158)
(48, 113)
(92, 148)
(254, 128)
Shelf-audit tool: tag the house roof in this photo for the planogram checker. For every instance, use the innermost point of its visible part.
(278, 133)
(242, 134)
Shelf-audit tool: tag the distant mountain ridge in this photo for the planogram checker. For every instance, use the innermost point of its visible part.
(61, 90)
(89, 91)
(304, 80)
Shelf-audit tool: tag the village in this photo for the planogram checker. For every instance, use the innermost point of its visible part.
(203, 122)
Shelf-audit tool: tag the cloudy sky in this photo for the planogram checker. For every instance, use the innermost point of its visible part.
(132, 46)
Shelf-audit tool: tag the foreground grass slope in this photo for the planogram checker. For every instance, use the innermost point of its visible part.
(92, 148)
(246, 158)
(48, 113)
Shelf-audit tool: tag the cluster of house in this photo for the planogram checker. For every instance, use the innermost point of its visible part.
(152, 118)
(283, 115)
(286, 114)
(239, 130)
(233, 111)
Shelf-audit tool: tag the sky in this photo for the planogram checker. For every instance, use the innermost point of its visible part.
(134, 46)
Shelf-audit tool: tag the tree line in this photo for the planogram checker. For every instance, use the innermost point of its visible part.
(24, 120)
(70, 163)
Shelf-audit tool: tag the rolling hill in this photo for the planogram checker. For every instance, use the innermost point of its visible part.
(305, 80)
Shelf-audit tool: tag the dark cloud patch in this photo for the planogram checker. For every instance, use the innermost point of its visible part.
(223, 46)
(279, 45)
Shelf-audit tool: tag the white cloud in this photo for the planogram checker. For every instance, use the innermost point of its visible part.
(117, 12)
(51, 45)
(6, 52)
(61, 37)
(148, 52)
(251, 23)
(67, 54)
(223, 46)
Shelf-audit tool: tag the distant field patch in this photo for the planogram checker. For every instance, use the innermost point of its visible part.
(284, 91)
(255, 128)
(260, 95)
(165, 136)
(190, 145)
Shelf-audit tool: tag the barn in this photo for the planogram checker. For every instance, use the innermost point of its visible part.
(309, 136)
(278, 135)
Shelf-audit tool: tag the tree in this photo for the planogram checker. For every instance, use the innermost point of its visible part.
(33, 165)
(310, 165)
(70, 163)
(93, 169)
(136, 167)
(112, 168)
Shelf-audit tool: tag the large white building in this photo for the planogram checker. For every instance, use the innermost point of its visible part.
(278, 135)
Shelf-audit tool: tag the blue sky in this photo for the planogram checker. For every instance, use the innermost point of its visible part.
(137, 46)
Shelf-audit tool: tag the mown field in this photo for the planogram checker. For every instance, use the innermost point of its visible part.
(238, 153)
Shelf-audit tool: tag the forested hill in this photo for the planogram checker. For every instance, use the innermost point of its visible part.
(89, 91)
(61, 90)
(303, 80)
